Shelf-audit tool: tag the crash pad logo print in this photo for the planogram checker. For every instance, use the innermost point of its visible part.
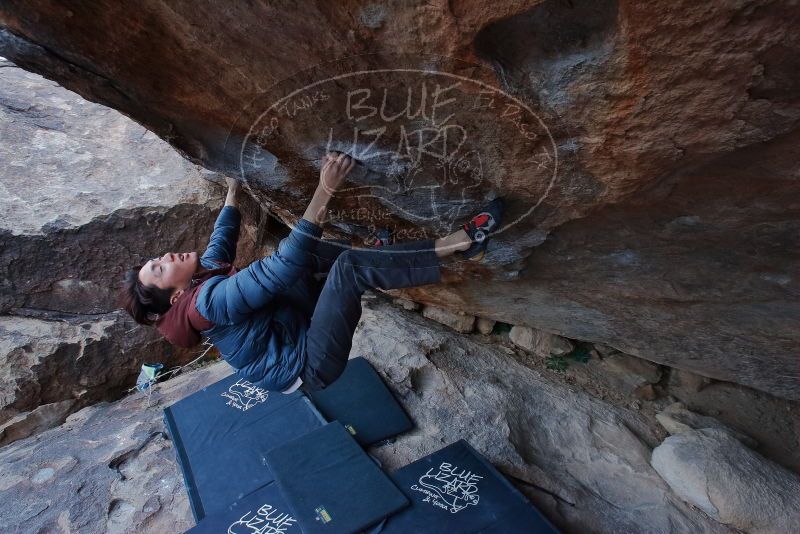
(266, 520)
(243, 395)
(449, 487)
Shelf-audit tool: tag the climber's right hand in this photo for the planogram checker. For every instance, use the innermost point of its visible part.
(335, 168)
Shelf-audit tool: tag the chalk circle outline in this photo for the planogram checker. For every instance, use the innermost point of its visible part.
(427, 72)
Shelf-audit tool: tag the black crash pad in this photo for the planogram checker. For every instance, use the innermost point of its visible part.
(220, 432)
(363, 404)
(456, 490)
(330, 483)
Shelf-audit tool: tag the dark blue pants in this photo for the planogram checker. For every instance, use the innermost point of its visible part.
(338, 309)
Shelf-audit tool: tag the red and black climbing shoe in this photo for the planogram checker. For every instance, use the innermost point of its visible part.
(480, 227)
(381, 238)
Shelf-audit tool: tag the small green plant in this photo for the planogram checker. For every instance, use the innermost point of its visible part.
(557, 363)
(580, 354)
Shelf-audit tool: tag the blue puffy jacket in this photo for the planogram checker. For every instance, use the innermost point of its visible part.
(261, 313)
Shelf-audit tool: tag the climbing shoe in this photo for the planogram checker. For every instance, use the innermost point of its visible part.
(480, 227)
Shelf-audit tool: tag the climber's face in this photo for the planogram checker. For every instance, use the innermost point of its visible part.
(173, 270)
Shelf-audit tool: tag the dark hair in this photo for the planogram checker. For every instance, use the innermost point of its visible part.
(144, 303)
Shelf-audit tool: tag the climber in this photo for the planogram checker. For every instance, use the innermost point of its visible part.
(273, 321)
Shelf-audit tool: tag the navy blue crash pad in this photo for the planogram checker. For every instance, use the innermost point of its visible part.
(220, 431)
(262, 512)
(363, 404)
(330, 483)
(458, 490)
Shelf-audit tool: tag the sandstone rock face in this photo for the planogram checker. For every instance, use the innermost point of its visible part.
(715, 472)
(648, 149)
(109, 469)
(49, 369)
(584, 461)
(40, 418)
(85, 194)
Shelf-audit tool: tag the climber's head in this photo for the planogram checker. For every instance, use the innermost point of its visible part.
(151, 289)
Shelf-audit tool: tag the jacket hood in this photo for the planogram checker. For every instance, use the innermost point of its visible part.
(182, 323)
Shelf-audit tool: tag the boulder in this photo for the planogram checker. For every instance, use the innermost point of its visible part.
(712, 470)
(680, 380)
(769, 420)
(542, 344)
(647, 149)
(406, 304)
(675, 418)
(627, 374)
(485, 326)
(642, 370)
(460, 322)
